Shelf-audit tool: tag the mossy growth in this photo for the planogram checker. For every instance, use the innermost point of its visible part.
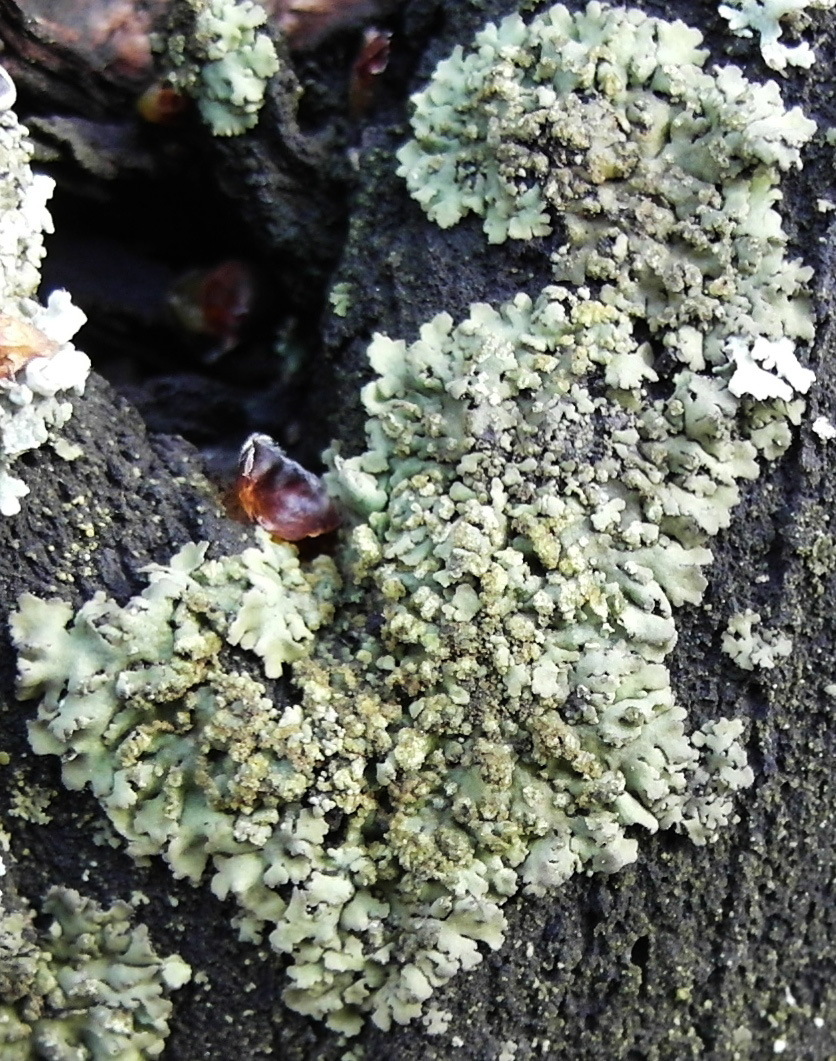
(87, 987)
(475, 697)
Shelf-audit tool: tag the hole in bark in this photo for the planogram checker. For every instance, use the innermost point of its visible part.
(640, 953)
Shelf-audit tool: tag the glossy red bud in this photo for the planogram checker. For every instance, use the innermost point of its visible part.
(280, 495)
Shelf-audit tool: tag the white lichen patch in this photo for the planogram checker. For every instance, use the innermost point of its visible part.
(767, 369)
(436, 1021)
(765, 18)
(751, 647)
(34, 403)
(226, 64)
(475, 695)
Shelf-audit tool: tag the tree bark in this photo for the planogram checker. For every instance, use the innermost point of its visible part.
(720, 952)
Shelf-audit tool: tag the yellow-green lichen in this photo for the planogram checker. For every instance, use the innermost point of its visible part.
(31, 802)
(87, 987)
(475, 698)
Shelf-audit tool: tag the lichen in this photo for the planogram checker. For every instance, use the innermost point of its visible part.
(88, 985)
(31, 802)
(764, 17)
(225, 63)
(126, 686)
(750, 647)
(340, 297)
(663, 175)
(475, 698)
(33, 402)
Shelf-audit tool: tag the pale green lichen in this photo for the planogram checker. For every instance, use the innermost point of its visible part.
(664, 176)
(340, 297)
(31, 802)
(87, 987)
(225, 64)
(750, 647)
(764, 17)
(33, 403)
(158, 660)
(485, 705)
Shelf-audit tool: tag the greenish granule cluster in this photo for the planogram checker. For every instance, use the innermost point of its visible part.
(765, 17)
(225, 63)
(89, 985)
(475, 698)
(33, 403)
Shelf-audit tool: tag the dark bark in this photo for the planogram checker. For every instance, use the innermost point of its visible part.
(86, 56)
(712, 953)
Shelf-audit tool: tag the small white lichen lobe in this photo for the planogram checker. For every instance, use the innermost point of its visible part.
(764, 17)
(767, 369)
(751, 647)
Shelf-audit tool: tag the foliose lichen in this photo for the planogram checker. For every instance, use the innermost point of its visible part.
(225, 63)
(764, 17)
(340, 297)
(87, 986)
(751, 647)
(33, 402)
(147, 679)
(475, 699)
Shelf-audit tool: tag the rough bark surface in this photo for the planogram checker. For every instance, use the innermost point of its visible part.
(716, 953)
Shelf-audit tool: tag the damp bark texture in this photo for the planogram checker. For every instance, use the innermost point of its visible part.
(721, 952)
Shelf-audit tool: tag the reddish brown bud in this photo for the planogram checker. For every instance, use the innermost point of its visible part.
(215, 302)
(280, 495)
(161, 104)
(371, 61)
(306, 23)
